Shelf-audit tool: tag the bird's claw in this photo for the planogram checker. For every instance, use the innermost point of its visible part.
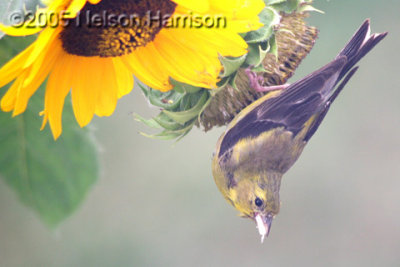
(255, 82)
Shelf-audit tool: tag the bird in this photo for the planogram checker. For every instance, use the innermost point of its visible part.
(267, 137)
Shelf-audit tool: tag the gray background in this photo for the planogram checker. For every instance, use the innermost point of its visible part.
(156, 203)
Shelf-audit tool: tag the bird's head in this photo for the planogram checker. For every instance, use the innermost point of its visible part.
(257, 198)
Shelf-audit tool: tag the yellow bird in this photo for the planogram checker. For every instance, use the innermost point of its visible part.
(266, 138)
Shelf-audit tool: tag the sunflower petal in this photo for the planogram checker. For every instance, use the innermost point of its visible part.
(194, 5)
(45, 38)
(107, 89)
(147, 69)
(58, 86)
(74, 8)
(23, 30)
(13, 68)
(8, 101)
(35, 77)
(238, 9)
(84, 94)
(184, 64)
(124, 78)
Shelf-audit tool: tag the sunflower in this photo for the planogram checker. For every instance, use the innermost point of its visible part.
(98, 44)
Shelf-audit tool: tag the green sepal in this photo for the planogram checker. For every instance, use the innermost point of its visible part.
(269, 17)
(221, 84)
(184, 116)
(232, 82)
(309, 8)
(231, 65)
(257, 53)
(273, 2)
(145, 90)
(168, 100)
(152, 123)
(169, 135)
(273, 46)
(161, 136)
(166, 122)
(287, 6)
(259, 68)
(183, 87)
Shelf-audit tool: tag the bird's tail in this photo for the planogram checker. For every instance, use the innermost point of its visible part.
(358, 46)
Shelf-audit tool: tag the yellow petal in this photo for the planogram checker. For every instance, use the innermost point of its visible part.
(147, 69)
(238, 9)
(211, 41)
(13, 68)
(9, 99)
(58, 86)
(195, 67)
(124, 77)
(200, 6)
(44, 39)
(35, 77)
(107, 88)
(84, 94)
(74, 8)
(23, 30)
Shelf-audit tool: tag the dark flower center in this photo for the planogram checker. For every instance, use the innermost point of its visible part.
(115, 27)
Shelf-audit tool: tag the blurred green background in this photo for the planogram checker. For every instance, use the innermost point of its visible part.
(156, 204)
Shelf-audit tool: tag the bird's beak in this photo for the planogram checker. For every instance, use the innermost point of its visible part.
(263, 224)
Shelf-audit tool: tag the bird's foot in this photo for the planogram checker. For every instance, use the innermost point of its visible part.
(256, 80)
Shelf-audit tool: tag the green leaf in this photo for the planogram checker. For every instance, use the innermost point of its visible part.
(184, 116)
(51, 177)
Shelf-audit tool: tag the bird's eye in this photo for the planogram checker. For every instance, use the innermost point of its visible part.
(258, 202)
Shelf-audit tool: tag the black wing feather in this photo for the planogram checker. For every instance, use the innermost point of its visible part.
(290, 110)
(313, 128)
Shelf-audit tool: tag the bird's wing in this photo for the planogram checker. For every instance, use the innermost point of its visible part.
(291, 109)
(321, 115)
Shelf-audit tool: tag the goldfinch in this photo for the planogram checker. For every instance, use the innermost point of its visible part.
(266, 138)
